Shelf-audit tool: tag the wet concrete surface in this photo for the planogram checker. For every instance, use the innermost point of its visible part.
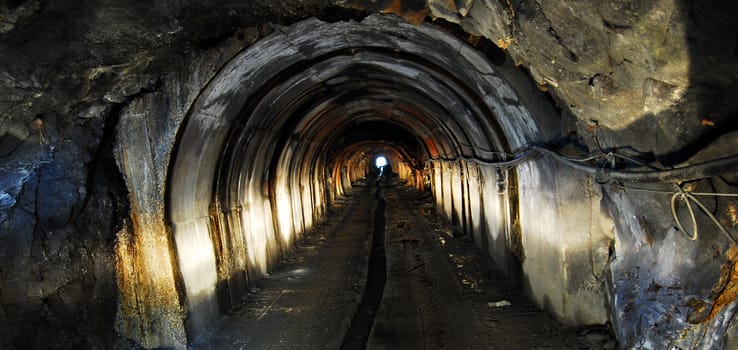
(439, 291)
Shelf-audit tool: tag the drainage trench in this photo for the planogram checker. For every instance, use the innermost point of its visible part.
(357, 335)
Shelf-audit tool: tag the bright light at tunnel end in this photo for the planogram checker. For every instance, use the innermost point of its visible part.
(380, 161)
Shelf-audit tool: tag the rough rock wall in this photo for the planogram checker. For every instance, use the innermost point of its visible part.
(72, 75)
(658, 73)
(665, 289)
(62, 200)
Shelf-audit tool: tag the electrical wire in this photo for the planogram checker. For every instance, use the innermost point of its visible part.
(686, 198)
(685, 173)
(517, 158)
(603, 175)
(691, 197)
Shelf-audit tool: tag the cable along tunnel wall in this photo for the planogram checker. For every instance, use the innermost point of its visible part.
(254, 168)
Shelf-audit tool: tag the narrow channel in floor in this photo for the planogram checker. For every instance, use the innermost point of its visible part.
(358, 334)
(440, 292)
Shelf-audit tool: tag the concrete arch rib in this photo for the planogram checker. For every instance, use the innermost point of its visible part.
(220, 182)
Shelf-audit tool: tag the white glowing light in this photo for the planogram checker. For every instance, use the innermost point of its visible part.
(380, 161)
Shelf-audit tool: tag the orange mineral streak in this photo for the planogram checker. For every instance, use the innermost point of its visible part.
(727, 287)
(432, 150)
(150, 311)
(505, 43)
(732, 212)
(415, 17)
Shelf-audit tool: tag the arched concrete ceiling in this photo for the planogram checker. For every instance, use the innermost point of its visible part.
(315, 81)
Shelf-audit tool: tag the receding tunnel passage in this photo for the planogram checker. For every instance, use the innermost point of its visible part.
(297, 118)
(368, 175)
(291, 125)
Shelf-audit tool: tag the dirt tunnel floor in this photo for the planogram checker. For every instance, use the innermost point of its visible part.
(439, 291)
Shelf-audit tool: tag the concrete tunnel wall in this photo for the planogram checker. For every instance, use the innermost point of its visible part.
(249, 173)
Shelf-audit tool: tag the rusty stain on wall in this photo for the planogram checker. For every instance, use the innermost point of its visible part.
(150, 311)
(723, 293)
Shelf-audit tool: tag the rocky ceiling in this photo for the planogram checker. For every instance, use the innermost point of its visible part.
(662, 69)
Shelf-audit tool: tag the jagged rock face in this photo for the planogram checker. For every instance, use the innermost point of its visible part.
(663, 69)
(656, 76)
(62, 201)
(60, 54)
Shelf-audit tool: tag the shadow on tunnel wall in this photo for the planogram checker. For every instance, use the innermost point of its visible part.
(707, 109)
(711, 36)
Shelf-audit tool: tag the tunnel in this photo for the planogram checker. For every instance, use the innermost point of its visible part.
(161, 162)
(309, 131)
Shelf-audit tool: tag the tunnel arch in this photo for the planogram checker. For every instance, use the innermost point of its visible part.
(357, 160)
(250, 167)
